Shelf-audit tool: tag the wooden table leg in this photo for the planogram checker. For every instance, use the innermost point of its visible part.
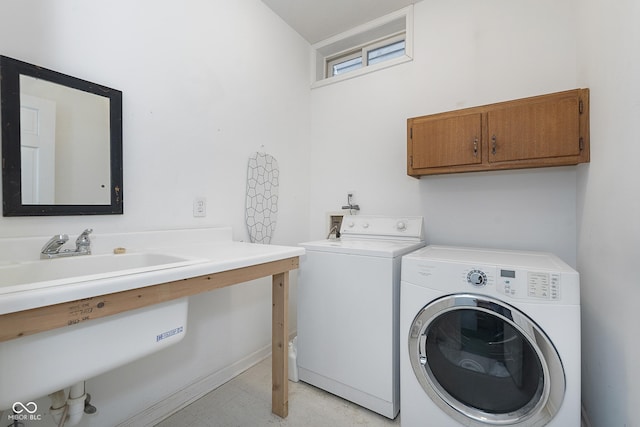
(280, 341)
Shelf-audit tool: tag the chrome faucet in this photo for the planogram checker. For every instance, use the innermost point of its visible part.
(51, 249)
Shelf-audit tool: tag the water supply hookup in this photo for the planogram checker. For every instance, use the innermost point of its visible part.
(350, 204)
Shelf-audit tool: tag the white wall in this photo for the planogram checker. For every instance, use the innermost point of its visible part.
(609, 209)
(205, 84)
(466, 53)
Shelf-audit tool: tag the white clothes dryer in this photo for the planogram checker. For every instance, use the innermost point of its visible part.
(489, 338)
(349, 310)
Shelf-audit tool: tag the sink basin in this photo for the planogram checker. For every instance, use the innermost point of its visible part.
(88, 348)
(32, 274)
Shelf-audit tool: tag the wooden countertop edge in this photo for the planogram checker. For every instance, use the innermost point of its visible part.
(32, 321)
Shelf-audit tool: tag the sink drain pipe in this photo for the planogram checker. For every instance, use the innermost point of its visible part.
(67, 411)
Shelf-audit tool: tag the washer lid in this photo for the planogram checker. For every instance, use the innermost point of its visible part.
(368, 247)
(380, 236)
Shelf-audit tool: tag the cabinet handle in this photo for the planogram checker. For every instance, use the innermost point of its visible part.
(494, 144)
(475, 147)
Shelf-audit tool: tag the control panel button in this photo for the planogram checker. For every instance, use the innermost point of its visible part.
(538, 285)
(477, 278)
(555, 286)
(401, 225)
(508, 287)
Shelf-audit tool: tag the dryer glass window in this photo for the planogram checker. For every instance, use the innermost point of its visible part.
(483, 362)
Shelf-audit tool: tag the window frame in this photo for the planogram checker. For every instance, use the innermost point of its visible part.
(362, 52)
(336, 60)
(347, 45)
(387, 42)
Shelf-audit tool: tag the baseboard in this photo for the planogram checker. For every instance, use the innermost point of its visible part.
(194, 391)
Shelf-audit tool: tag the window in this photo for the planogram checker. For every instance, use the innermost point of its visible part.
(378, 44)
(369, 54)
(384, 53)
(344, 64)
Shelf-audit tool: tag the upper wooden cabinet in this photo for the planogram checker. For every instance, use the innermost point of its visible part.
(546, 130)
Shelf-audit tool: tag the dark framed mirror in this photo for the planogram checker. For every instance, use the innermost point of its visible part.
(61, 143)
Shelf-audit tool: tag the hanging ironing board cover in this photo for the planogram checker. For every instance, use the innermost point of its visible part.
(261, 208)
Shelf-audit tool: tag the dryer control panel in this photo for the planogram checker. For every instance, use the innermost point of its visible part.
(513, 282)
(531, 284)
(536, 277)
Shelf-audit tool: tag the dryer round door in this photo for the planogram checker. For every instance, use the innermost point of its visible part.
(484, 362)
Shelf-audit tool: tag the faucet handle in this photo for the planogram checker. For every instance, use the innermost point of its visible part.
(54, 244)
(83, 243)
(83, 238)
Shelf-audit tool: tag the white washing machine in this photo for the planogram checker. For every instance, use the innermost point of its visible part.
(348, 310)
(489, 337)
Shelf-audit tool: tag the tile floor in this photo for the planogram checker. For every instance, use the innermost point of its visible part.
(245, 401)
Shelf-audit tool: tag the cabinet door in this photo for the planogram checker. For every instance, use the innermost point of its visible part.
(545, 127)
(449, 140)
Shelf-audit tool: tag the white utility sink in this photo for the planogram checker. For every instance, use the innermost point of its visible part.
(21, 276)
(86, 349)
(37, 365)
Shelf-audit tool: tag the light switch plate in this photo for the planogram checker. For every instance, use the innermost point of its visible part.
(199, 207)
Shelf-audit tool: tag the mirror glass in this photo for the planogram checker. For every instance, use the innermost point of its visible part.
(61, 143)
